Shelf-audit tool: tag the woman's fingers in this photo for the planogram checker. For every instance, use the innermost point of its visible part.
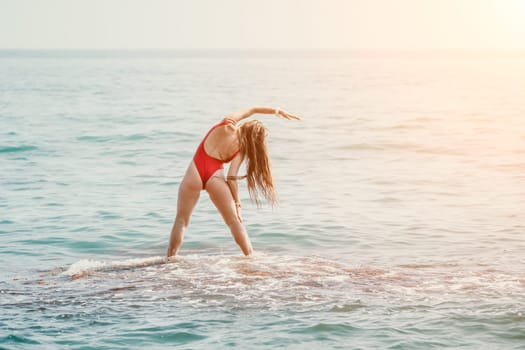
(289, 116)
(292, 117)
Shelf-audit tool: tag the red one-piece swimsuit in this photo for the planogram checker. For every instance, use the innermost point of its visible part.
(206, 164)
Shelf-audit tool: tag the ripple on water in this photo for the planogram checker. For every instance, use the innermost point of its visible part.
(347, 307)
(14, 339)
(335, 329)
(15, 149)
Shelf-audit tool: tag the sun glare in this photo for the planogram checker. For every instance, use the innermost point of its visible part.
(516, 16)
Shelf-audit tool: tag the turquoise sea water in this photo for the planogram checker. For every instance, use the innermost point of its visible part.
(401, 217)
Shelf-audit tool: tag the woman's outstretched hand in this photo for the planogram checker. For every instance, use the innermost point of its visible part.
(287, 115)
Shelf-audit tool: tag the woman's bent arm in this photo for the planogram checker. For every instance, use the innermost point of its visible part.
(238, 116)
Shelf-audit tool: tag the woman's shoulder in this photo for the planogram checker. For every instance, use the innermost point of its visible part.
(227, 125)
(228, 120)
(223, 128)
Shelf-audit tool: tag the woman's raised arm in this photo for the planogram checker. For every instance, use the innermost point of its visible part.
(238, 116)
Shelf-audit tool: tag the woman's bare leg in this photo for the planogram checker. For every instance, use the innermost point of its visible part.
(222, 198)
(189, 192)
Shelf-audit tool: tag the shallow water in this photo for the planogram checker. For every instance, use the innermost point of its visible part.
(400, 223)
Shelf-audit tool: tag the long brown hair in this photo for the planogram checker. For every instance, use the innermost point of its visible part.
(252, 138)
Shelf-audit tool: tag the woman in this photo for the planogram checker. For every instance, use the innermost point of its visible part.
(226, 142)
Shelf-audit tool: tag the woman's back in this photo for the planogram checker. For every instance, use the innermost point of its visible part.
(222, 142)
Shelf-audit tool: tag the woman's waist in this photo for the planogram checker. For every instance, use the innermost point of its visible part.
(201, 153)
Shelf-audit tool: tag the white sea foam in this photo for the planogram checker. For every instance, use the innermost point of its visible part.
(87, 266)
(267, 279)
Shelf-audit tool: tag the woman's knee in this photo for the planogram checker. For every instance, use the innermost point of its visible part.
(181, 222)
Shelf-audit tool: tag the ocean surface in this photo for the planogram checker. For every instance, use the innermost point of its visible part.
(401, 222)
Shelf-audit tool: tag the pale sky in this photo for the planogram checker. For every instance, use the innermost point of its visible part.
(398, 24)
